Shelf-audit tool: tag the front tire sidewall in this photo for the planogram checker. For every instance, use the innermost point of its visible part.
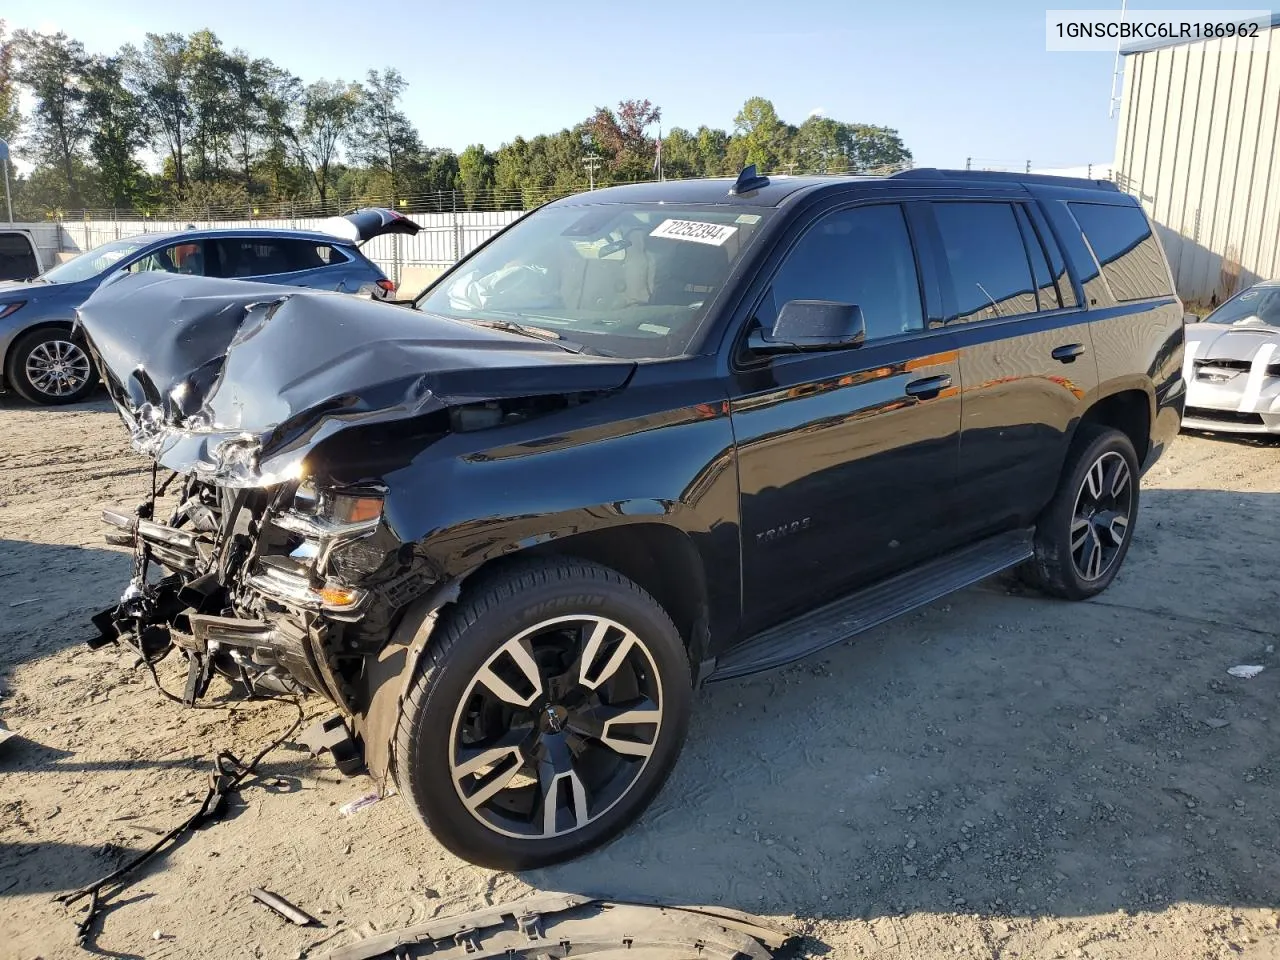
(423, 769)
(1055, 568)
(17, 372)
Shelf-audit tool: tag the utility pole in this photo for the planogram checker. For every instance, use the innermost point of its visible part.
(592, 162)
(4, 159)
(1117, 71)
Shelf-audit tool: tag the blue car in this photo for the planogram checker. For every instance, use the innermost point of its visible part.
(43, 358)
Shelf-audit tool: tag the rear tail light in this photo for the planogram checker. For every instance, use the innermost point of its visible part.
(386, 285)
(8, 309)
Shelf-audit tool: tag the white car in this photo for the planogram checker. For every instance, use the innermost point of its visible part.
(1232, 365)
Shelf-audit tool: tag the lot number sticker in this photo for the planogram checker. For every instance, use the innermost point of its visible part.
(695, 231)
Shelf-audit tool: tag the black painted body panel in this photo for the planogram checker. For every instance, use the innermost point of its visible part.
(793, 480)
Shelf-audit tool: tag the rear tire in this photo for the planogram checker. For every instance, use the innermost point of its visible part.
(551, 707)
(1083, 535)
(51, 366)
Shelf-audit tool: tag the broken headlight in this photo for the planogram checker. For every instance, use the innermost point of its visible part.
(326, 554)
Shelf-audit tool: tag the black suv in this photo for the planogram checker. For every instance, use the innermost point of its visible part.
(646, 438)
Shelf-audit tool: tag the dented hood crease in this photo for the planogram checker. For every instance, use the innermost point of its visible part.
(239, 381)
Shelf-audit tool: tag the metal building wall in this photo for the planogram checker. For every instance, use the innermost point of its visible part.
(1196, 143)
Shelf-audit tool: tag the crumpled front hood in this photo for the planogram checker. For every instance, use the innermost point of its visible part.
(1225, 341)
(237, 381)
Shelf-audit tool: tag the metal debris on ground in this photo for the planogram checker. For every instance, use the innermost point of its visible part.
(358, 804)
(556, 925)
(280, 905)
(1246, 671)
(23, 603)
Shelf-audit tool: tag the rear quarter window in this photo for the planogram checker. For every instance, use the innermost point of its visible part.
(1121, 239)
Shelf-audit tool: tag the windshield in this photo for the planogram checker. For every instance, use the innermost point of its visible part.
(629, 280)
(1256, 307)
(95, 261)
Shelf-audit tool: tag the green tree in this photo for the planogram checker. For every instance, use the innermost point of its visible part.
(713, 148)
(440, 171)
(212, 93)
(248, 116)
(10, 118)
(281, 98)
(680, 156)
(763, 135)
(157, 74)
(871, 148)
(475, 173)
(118, 132)
(327, 113)
(382, 138)
(54, 68)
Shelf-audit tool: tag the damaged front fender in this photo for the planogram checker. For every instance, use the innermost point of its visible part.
(238, 382)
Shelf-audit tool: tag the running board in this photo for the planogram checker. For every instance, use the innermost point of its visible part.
(873, 605)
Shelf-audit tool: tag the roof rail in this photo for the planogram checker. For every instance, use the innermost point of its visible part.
(933, 173)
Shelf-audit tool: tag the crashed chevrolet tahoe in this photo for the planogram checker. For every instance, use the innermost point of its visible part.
(645, 438)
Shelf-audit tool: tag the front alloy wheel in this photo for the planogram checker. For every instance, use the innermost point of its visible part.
(556, 727)
(50, 365)
(552, 705)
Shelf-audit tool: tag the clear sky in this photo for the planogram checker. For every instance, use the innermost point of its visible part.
(957, 80)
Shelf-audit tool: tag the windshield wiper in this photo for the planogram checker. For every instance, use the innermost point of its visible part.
(529, 330)
(510, 326)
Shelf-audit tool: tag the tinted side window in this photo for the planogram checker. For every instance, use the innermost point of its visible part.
(990, 276)
(861, 256)
(185, 258)
(17, 259)
(1057, 262)
(1130, 255)
(329, 255)
(305, 255)
(1046, 289)
(254, 257)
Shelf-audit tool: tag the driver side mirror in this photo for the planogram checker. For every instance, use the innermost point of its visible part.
(811, 325)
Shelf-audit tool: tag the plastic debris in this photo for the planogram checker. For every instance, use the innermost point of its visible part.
(1246, 671)
(278, 904)
(5, 734)
(358, 804)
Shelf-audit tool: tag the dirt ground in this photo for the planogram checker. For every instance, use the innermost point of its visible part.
(997, 776)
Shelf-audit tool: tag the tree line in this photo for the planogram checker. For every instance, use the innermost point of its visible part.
(182, 125)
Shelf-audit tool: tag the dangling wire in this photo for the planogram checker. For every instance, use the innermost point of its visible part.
(226, 777)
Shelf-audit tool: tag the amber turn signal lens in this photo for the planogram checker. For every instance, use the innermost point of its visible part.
(348, 509)
(336, 595)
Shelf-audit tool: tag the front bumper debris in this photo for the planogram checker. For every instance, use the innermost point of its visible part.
(568, 925)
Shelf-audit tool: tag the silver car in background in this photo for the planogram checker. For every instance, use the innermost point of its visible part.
(1232, 365)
